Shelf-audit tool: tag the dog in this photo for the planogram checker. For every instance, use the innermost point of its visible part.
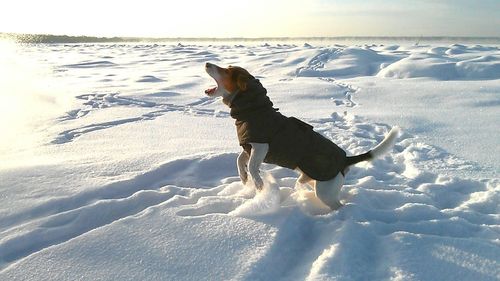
(268, 136)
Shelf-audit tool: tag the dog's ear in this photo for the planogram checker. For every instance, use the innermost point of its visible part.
(240, 77)
(241, 81)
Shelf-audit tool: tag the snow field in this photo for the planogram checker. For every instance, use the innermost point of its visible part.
(137, 181)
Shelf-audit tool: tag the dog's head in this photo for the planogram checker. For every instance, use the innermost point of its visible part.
(229, 80)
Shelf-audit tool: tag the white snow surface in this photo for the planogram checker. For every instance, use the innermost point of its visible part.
(115, 166)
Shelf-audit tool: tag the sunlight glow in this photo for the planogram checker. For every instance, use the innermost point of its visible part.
(258, 18)
(28, 95)
(188, 18)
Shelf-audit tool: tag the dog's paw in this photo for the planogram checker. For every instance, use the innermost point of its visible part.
(259, 184)
(244, 177)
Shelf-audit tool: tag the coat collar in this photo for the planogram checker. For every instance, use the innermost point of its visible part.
(254, 99)
(227, 99)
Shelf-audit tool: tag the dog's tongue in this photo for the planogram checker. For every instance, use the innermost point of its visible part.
(210, 91)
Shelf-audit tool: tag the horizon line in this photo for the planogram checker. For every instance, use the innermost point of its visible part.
(63, 38)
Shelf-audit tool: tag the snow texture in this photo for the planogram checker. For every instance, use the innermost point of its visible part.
(123, 169)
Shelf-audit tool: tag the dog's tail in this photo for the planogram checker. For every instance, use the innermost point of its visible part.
(379, 150)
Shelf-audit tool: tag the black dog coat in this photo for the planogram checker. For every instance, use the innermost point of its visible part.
(292, 143)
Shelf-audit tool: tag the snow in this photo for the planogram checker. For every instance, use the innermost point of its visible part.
(115, 166)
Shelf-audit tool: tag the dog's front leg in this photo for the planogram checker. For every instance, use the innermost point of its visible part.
(257, 155)
(242, 162)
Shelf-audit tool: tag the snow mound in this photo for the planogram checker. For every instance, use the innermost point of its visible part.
(348, 62)
(446, 64)
(456, 62)
(484, 67)
(150, 78)
(421, 65)
(91, 64)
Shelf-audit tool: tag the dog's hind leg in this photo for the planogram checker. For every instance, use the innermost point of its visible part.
(304, 179)
(328, 191)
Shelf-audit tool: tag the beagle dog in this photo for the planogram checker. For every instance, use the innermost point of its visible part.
(267, 136)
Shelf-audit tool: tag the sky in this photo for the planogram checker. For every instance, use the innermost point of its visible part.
(252, 18)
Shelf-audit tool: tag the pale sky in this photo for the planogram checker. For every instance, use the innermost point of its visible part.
(252, 18)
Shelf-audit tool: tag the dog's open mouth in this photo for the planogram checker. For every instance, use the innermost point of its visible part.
(211, 91)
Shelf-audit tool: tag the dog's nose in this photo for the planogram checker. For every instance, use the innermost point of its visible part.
(207, 65)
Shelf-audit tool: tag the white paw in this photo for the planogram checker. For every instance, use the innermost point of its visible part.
(244, 177)
(259, 184)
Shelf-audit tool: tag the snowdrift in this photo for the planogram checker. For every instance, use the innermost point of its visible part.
(137, 179)
(457, 62)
